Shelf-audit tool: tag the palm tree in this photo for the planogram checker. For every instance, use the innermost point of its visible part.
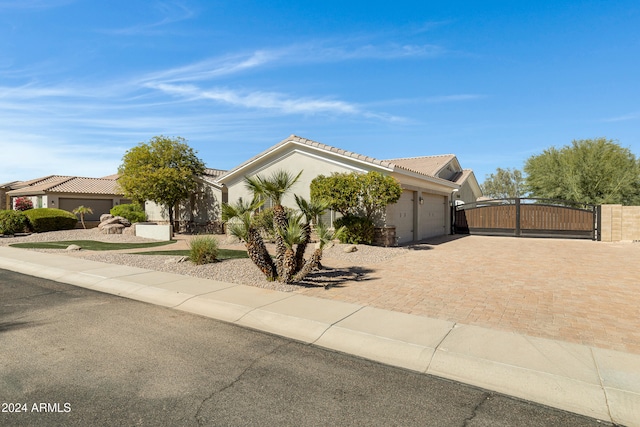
(239, 217)
(312, 210)
(82, 211)
(274, 188)
(325, 236)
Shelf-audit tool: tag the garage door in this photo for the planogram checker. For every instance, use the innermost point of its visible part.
(403, 217)
(433, 221)
(98, 206)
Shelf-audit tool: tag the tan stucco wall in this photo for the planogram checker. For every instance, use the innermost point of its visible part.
(619, 223)
(310, 164)
(313, 163)
(465, 193)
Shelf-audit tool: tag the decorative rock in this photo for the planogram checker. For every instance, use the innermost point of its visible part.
(113, 229)
(351, 248)
(108, 221)
(73, 248)
(105, 217)
(130, 231)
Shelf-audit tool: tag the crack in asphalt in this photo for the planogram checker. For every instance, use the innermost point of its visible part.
(485, 397)
(234, 382)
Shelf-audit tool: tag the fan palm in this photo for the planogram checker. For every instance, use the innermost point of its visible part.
(82, 211)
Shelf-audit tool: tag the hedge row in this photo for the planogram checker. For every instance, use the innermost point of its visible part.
(37, 220)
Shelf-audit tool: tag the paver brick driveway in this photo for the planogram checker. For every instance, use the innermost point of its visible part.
(573, 290)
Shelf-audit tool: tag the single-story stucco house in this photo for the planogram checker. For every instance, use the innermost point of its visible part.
(68, 192)
(430, 184)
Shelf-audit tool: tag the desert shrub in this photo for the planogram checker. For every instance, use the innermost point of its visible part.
(50, 219)
(356, 229)
(12, 222)
(203, 250)
(133, 212)
(23, 204)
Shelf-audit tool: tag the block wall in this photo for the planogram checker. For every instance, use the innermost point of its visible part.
(620, 223)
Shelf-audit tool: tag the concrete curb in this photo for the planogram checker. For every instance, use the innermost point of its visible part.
(598, 383)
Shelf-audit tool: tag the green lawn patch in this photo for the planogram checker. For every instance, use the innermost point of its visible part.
(90, 245)
(222, 253)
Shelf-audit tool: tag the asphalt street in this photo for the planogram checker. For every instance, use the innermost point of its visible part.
(71, 356)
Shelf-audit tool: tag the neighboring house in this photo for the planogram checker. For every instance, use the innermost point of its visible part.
(69, 192)
(430, 183)
(5, 202)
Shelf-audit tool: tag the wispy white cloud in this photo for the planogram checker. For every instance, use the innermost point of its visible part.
(296, 54)
(261, 100)
(170, 12)
(624, 118)
(213, 68)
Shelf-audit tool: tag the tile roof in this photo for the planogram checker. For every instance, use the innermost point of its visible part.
(67, 184)
(214, 173)
(425, 165)
(314, 144)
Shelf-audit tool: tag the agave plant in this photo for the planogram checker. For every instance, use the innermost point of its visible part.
(239, 217)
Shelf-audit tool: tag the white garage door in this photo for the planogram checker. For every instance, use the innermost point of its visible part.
(403, 217)
(433, 219)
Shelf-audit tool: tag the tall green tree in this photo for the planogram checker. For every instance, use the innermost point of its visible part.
(357, 194)
(163, 170)
(504, 184)
(597, 171)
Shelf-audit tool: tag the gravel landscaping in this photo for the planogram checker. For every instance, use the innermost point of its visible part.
(340, 266)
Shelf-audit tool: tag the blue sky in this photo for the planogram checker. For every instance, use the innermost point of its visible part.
(493, 82)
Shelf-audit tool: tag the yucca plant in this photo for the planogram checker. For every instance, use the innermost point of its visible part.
(292, 234)
(274, 188)
(325, 236)
(312, 210)
(239, 217)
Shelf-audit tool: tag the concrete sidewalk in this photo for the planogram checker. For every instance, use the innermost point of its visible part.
(597, 382)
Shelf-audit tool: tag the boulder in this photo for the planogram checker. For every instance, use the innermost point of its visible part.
(73, 248)
(130, 231)
(105, 217)
(350, 248)
(108, 221)
(113, 229)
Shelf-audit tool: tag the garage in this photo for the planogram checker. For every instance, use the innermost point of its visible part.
(433, 218)
(402, 217)
(98, 206)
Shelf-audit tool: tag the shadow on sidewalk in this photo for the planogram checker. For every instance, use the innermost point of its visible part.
(335, 277)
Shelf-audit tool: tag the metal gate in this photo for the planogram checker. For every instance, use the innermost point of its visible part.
(525, 217)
